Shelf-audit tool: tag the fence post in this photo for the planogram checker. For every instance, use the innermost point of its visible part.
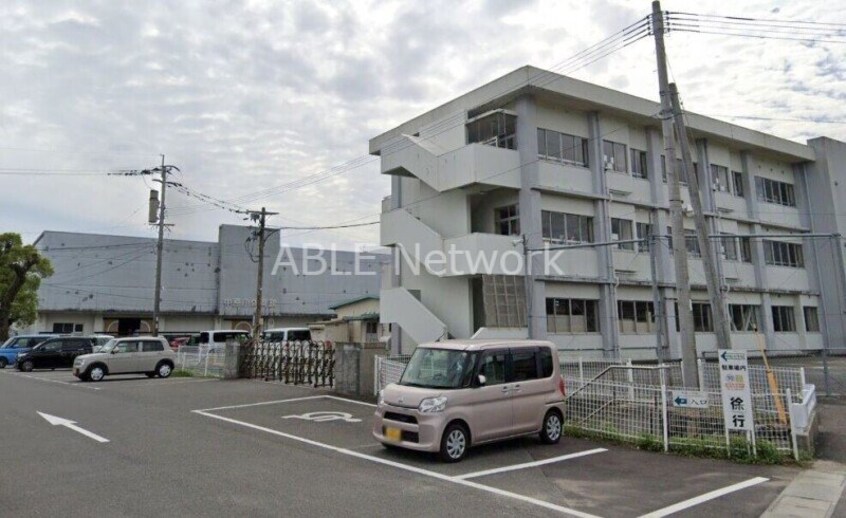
(792, 426)
(664, 416)
(581, 373)
(376, 375)
(206, 369)
(700, 368)
(802, 376)
(630, 379)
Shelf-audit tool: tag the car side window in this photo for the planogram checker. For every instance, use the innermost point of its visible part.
(52, 346)
(297, 336)
(493, 367)
(524, 365)
(149, 346)
(127, 347)
(71, 345)
(545, 361)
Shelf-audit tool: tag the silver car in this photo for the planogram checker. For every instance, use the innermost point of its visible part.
(135, 355)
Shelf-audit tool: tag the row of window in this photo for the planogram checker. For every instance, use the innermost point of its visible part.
(572, 149)
(638, 317)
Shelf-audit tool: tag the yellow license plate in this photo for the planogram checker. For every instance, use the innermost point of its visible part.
(393, 434)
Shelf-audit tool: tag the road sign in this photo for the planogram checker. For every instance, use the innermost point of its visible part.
(689, 398)
(736, 395)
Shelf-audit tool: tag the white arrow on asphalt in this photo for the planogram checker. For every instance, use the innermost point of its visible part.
(61, 421)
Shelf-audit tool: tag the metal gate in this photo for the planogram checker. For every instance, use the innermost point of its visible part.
(295, 363)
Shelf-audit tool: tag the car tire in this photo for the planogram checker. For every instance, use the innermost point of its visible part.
(96, 373)
(3, 363)
(150, 374)
(164, 369)
(551, 428)
(27, 366)
(84, 377)
(455, 442)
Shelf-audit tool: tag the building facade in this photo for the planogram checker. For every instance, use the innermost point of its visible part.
(551, 169)
(106, 283)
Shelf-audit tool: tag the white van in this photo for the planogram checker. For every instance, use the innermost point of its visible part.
(287, 334)
(216, 340)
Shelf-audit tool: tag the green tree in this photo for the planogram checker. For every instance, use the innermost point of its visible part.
(21, 269)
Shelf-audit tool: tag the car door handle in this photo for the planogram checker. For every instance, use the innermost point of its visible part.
(516, 388)
(506, 388)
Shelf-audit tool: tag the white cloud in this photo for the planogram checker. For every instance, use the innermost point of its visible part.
(245, 96)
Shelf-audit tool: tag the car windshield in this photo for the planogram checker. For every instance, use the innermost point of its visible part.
(108, 347)
(11, 342)
(439, 368)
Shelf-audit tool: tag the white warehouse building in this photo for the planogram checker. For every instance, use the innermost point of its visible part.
(546, 160)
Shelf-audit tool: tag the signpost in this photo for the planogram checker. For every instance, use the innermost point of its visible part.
(689, 398)
(736, 394)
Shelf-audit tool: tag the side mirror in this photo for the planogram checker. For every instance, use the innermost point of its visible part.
(113, 351)
(482, 380)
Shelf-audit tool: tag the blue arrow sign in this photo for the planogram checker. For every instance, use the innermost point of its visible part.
(724, 356)
(680, 401)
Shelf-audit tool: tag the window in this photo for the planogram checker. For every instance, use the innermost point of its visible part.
(571, 316)
(636, 316)
(812, 319)
(729, 246)
(744, 317)
(702, 321)
(639, 163)
(74, 345)
(53, 346)
(621, 230)
(692, 243)
(720, 178)
(779, 253)
(299, 335)
(127, 347)
(745, 245)
(614, 156)
(507, 220)
(524, 365)
(562, 147)
(62, 327)
(371, 327)
(545, 359)
(560, 226)
(644, 231)
(783, 321)
(773, 191)
(737, 178)
(493, 367)
(150, 346)
(496, 129)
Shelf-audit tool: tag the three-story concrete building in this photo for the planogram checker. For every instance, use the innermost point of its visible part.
(542, 166)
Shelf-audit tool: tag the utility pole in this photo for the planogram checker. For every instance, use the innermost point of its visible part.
(261, 216)
(715, 291)
(157, 298)
(690, 376)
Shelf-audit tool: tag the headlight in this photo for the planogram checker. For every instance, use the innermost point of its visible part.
(21, 355)
(380, 399)
(78, 361)
(433, 405)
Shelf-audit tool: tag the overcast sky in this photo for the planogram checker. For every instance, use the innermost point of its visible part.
(249, 96)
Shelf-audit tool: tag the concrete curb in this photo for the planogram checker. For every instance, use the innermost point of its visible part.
(813, 494)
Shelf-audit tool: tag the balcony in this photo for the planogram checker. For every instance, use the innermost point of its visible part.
(442, 171)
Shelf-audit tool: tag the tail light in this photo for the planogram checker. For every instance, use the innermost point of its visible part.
(561, 386)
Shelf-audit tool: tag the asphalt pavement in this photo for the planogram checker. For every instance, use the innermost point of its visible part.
(198, 447)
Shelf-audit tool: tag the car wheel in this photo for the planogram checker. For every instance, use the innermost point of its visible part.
(454, 443)
(96, 373)
(551, 430)
(3, 363)
(150, 374)
(27, 366)
(84, 377)
(164, 369)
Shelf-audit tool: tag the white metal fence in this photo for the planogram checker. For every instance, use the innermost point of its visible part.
(388, 369)
(201, 360)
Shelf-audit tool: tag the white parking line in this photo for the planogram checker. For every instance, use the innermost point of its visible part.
(525, 465)
(291, 400)
(704, 498)
(152, 383)
(406, 467)
(75, 385)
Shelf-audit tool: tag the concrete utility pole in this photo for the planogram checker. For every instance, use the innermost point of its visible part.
(157, 298)
(715, 291)
(261, 216)
(690, 376)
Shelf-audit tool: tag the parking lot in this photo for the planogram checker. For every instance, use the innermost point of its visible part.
(199, 447)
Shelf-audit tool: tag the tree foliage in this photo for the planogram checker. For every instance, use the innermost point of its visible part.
(21, 269)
